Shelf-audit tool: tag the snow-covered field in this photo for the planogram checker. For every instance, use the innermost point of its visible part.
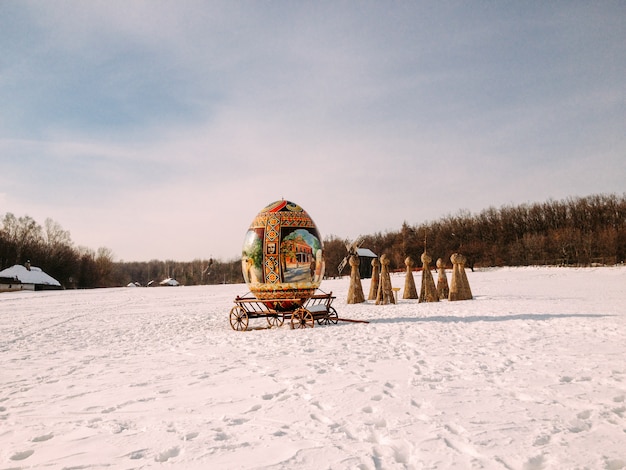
(531, 374)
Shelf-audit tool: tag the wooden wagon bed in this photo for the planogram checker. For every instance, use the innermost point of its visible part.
(317, 308)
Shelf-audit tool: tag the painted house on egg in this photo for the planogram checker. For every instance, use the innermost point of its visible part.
(27, 277)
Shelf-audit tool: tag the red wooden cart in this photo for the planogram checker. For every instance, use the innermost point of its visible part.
(301, 313)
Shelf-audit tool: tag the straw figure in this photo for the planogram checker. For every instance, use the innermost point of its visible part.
(375, 279)
(410, 292)
(428, 292)
(442, 280)
(355, 291)
(459, 287)
(385, 294)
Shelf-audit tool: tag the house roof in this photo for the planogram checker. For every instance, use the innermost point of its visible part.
(366, 253)
(169, 282)
(34, 276)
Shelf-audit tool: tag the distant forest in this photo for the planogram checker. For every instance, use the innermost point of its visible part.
(581, 231)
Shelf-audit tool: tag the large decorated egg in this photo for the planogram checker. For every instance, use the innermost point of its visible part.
(282, 259)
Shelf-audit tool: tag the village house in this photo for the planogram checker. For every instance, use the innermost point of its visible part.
(27, 277)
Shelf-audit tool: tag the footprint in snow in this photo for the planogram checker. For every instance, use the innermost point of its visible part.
(22, 455)
(579, 425)
(137, 454)
(615, 464)
(620, 411)
(140, 384)
(535, 463)
(168, 454)
(236, 421)
(321, 418)
(45, 437)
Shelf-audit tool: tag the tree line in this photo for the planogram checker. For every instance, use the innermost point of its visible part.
(577, 231)
(50, 247)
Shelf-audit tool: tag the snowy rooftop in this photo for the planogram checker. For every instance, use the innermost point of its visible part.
(34, 276)
(366, 252)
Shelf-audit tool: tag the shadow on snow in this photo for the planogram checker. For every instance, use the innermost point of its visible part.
(485, 318)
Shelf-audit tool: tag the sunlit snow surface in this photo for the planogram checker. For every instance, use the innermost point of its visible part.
(531, 374)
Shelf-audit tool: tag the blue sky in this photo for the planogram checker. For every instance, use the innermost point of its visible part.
(159, 129)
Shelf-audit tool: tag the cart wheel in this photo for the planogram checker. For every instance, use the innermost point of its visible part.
(302, 318)
(238, 318)
(274, 321)
(322, 320)
(332, 316)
